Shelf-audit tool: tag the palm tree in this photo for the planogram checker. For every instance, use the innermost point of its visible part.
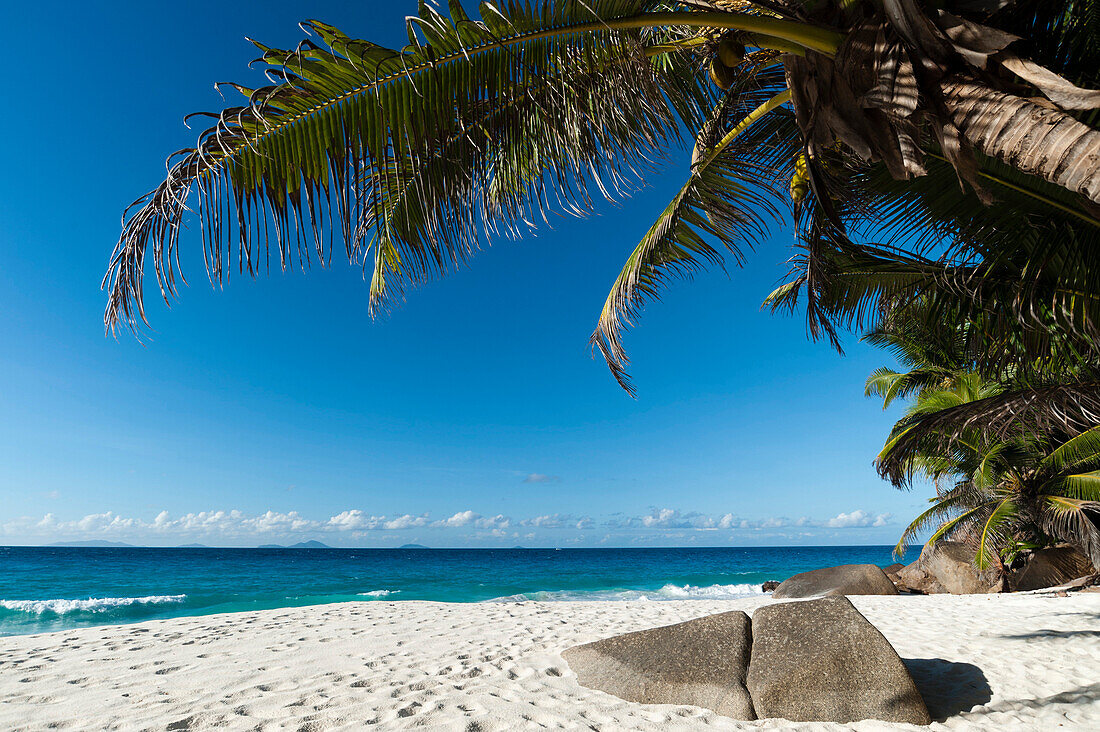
(1052, 393)
(999, 494)
(1001, 497)
(411, 154)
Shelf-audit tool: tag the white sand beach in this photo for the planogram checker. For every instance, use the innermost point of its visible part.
(1027, 662)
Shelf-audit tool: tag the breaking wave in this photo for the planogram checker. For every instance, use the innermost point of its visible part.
(668, 592)
(377, 593)
(91, 605)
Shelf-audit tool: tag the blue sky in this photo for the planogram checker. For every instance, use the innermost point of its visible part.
(275, 410)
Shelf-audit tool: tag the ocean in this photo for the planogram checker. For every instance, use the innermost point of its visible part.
(50, 588)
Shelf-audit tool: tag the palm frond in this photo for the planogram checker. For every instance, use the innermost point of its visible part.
(892, 386)
(344, 128)
(881, 382)
(962, 522)
(1068, 408)
(723, 205)
(1076, 452)
(994, 535)
(992, 466)
(1074, 520)
(943, 508)
(1082, 486)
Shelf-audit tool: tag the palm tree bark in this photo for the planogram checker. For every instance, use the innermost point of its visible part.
(1035, 139)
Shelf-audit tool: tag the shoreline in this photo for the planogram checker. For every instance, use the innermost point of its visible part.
(58, 589)
(982, 661)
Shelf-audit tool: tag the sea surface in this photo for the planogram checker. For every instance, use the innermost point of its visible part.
(50, 588)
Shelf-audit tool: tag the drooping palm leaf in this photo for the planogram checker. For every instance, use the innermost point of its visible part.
(961, 523)
(1076, 520)
(723, 206)
(345, 129)
(1075, 453)
(1083, 486)
(1070, 408)
(944, 508)
(412, 154)
(994, 533)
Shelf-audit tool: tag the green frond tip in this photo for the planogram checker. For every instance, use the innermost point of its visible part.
(784, 296)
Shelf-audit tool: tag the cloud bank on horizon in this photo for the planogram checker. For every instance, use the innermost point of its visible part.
(355, 527)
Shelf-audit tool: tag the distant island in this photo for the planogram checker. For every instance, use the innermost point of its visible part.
(299, 545)
(94, 543)
(413, 546)
(192, 546)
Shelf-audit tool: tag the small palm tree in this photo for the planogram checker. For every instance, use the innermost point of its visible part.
(1006, 496)
(485, 124)
(999, 494)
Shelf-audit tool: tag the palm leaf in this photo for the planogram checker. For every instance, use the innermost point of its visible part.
(1077, 451)
(891, 385)
(1076, 521)
(339, 135)
(960, 522)
(1025, 265)
(943, 507)
(1082, 486)
(1070, 408)
(725, 199)
(994, 535)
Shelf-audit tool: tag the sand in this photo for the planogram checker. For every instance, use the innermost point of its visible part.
(1028, 662)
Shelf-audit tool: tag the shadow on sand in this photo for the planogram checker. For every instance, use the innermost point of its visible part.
(1055, 634)
(948, 688)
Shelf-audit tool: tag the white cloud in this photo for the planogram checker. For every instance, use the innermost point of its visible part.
(670, 518)
(496, 523)
(407, 521)
(540, 478)
(351, 520)
(663, 517)
(858, 519)
(236, 527)
(462, 518)
(548, 521)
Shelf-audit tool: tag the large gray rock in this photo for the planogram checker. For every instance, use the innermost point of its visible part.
(915, 579)
(847, 579)
(951, 563)
(891, 572)
(701, 662)
(821, 660)
(1051, 567)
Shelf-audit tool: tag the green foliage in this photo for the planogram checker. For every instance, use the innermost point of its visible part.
(1018, 258)
(728, 198)
(484, 125)
(412, 152)
(1001, 494)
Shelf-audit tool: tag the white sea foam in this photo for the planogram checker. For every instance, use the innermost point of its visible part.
(668, 592)
(378, 593)
(92, 604)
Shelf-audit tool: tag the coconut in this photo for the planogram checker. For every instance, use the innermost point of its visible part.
(720, 74)
(731, 52)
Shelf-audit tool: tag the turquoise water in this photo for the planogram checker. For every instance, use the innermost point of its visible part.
(46, 588)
